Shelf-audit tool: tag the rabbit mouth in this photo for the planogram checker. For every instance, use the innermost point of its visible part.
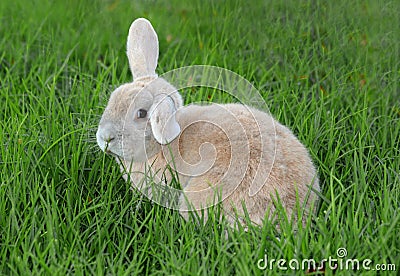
(109, 152)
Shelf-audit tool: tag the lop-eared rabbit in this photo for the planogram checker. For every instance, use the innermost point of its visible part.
(232, 154)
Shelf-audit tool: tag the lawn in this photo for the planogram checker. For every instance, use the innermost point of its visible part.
(330, 70)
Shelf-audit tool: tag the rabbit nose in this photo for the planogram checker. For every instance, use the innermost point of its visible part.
(109, 138)
(106, 134)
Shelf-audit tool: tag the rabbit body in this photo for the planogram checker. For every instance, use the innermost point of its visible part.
(231, 153)
(247, 147)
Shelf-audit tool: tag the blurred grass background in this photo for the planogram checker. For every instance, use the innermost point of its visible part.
(328, 70)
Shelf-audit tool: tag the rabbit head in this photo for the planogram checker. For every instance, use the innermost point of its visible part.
(140, 116)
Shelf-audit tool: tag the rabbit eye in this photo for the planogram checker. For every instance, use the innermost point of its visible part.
(141, 113)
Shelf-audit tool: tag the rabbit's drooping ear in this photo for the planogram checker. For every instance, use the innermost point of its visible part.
(142, 49)
(164, 126)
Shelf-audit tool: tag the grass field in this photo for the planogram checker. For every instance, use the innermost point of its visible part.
(330, 70)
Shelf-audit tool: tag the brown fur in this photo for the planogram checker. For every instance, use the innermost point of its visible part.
(231, 152)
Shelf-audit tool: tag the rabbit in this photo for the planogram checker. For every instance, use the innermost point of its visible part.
(229, 153)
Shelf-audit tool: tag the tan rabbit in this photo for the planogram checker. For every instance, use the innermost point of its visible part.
(230, 153)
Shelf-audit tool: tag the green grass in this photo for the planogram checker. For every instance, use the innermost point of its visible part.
(330, 70)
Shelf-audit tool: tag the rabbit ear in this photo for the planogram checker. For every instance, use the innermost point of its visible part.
(162, 119)
(142, 49)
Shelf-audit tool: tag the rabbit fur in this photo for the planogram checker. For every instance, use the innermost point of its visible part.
(232, 152)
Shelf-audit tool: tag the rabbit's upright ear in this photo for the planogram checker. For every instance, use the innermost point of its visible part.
(142, 49)
(163, 123)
